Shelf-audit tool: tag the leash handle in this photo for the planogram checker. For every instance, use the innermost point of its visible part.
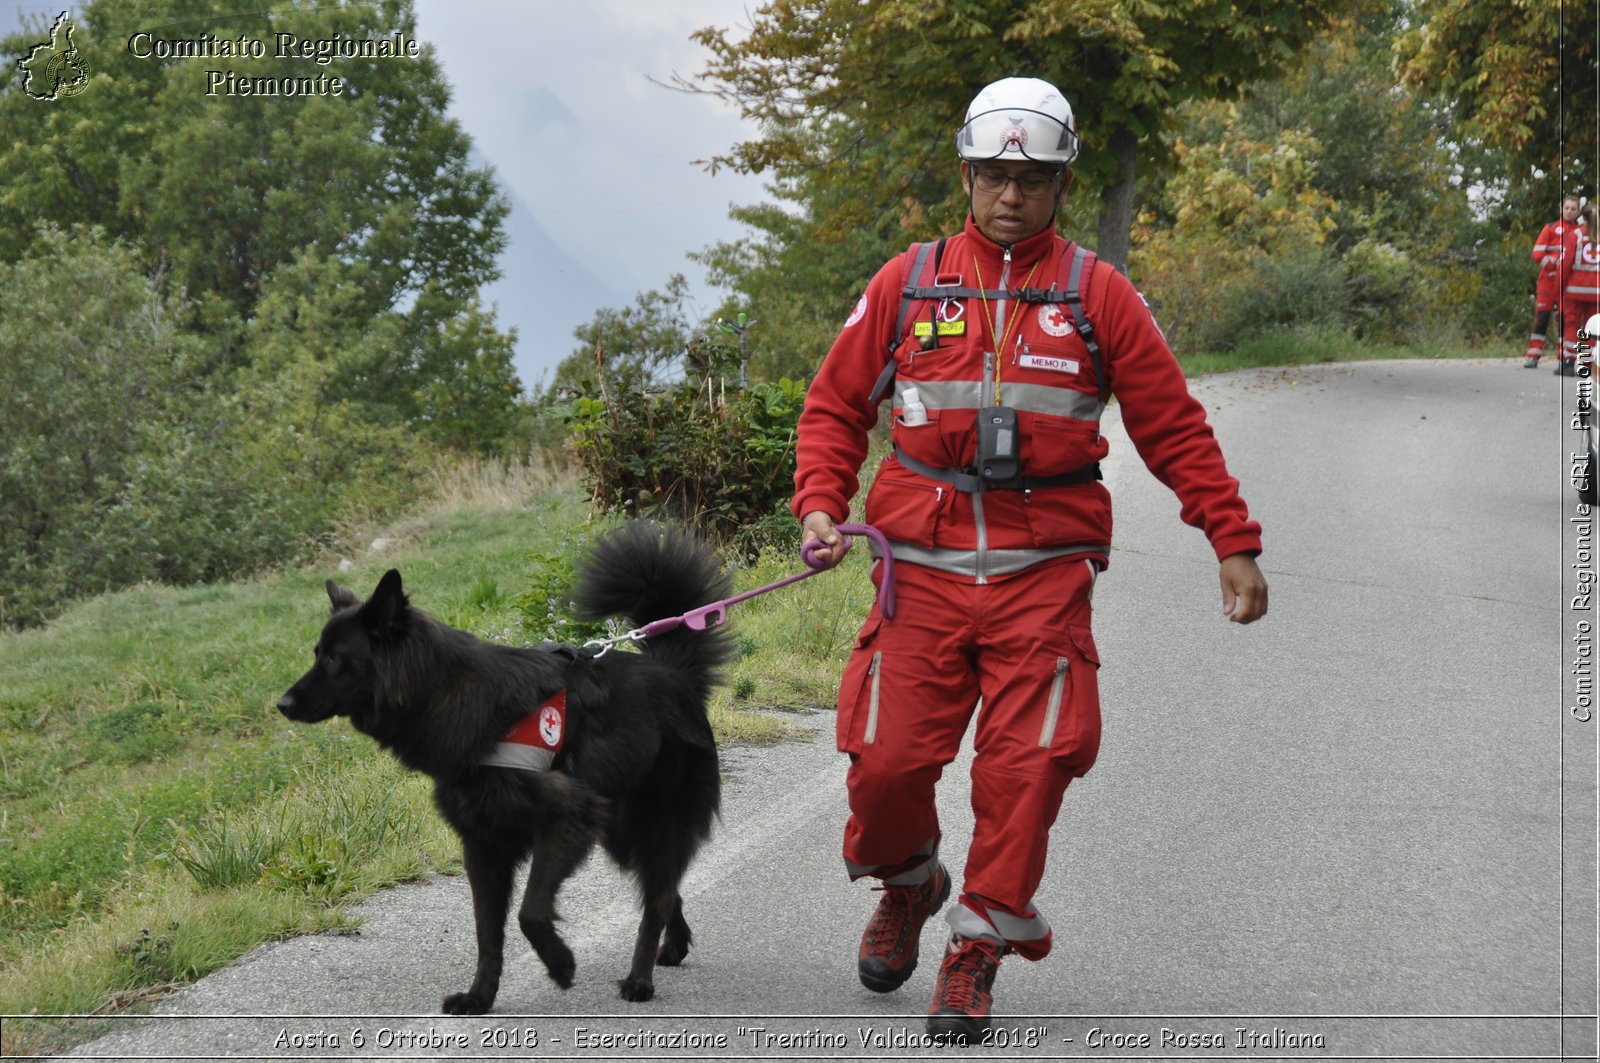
(716, 613)
(886, 585)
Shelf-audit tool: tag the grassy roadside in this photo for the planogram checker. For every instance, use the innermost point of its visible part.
(158, 818)
(1316, 346)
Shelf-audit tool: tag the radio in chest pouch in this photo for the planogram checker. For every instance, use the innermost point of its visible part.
(997, 444)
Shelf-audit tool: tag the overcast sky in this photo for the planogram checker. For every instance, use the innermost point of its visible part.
(566, 100)
(559, 96)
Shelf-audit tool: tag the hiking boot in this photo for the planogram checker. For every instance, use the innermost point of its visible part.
(1531, 363)
(965, 989)
(889, 944)
(1566, 368)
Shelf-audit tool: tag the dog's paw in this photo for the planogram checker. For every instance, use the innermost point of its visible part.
(637, 990)
(466, 1004)
(672, 953)
(560, 969)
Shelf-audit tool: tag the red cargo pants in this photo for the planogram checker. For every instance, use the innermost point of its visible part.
(1022, 647)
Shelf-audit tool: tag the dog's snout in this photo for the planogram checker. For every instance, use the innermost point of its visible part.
(286, 704)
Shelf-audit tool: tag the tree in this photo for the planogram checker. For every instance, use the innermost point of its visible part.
(867, 97)
(1521, 76)
(1330, 197)
(219, 193)
(1239, 207)
(801, 280)
(635, 348)
(119, 461)
(1388, 160)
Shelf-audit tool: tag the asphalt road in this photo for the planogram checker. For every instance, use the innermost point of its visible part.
(1363, 827)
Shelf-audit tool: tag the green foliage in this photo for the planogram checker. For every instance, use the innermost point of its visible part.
(221, 854)
(1381, 282)
(805, 277)
(1488, 295)
(125, 460)
(546, 606)
(148, 960)
(139, 732)
(635, 348)
(138, 738)
(794, 641)
(858, 106)
(1328, 200)
(1520, 77)
(263, 318)
(692, 452)
(220, 192)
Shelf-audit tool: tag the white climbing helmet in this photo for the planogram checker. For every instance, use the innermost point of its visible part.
(1019, 118)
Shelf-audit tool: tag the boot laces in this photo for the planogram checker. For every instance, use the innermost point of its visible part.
(892, 921)
(968, 971)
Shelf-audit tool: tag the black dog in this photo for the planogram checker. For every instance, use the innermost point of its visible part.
(636, 766)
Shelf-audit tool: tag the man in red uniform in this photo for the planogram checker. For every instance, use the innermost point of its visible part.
(1554, 250)
(1580, 297)
(999, 528)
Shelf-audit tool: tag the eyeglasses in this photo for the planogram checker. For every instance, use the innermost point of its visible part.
(1032, 185)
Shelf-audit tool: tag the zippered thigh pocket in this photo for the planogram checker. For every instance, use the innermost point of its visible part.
(859, 690)
(1052, 709)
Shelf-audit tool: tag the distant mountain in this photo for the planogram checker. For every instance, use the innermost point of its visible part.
(543, 291)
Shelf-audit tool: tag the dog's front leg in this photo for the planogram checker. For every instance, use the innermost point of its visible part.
(489, 874)
(557, 852)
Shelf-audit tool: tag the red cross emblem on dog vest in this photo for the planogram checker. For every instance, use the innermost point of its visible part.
(534, 742)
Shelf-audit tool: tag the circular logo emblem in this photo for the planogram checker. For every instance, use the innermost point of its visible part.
(1014, 136)
(550, 726)
(1055, 320)
(67, 74)
(859, 312)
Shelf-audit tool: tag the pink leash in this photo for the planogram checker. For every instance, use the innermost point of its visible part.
(717, 612)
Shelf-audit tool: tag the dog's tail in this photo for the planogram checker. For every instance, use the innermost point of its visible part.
(645, 572)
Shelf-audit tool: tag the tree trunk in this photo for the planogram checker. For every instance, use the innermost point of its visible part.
(1116, 201)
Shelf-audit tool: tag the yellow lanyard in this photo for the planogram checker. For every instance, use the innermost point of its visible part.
(1000, 345)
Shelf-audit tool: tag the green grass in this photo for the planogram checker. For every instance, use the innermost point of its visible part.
(160, 818)
(1314, 346)
(793, 642)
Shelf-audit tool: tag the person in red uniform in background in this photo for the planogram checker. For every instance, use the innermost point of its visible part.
(1580, 298)
(1553, 250)
(998, 535)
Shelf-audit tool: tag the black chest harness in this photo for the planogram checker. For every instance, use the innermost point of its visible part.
(1074, 272)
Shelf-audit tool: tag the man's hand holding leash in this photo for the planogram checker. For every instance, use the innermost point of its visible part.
(818, 526)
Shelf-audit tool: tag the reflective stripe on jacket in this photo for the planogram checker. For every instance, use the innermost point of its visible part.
(1583, 282)
(1043, 372)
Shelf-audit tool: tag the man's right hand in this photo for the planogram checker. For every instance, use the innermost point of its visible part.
(818, 526)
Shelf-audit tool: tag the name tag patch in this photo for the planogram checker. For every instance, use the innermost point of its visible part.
(946, 328)
(1053, 364)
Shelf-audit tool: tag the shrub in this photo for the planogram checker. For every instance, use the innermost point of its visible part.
(546, 606)
(1380, 282)
(691, 452)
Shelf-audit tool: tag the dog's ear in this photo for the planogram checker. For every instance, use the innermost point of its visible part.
(386, 609)
(341, 597)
